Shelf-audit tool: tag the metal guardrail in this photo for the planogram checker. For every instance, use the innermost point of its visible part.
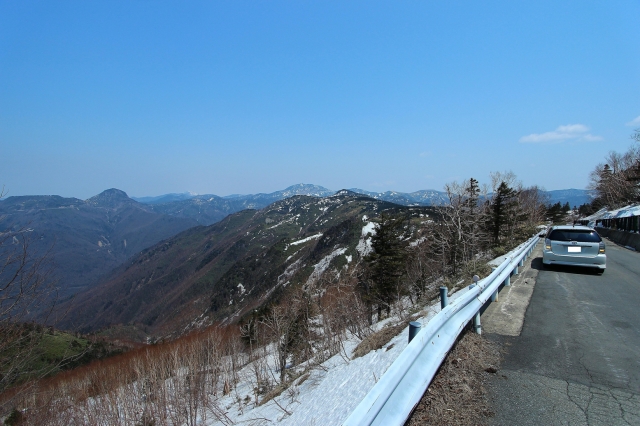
(395, 395)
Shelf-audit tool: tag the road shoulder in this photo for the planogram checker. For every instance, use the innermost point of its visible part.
(575, 359)
(505, 316)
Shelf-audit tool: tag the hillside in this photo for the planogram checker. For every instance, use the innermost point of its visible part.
(209, 209)
(220, 272)
(87, 238)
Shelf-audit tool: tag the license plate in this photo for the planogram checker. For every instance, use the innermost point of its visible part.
(574, 249)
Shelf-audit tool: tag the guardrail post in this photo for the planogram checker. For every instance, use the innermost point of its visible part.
(521, 263)
(507, 281)
(476, 323)
(494, 296)
(414, 328)
(515, 271)
(444, 298)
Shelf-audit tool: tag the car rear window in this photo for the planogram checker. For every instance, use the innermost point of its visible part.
(578, 235)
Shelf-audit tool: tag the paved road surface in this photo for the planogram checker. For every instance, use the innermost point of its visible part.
(577, 360)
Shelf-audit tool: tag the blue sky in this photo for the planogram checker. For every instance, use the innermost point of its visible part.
(230, 97)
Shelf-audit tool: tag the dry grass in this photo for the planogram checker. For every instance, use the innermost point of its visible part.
(377, 340)
(457, 394)
(281, 387)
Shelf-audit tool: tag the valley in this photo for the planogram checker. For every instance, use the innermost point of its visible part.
(85, 239)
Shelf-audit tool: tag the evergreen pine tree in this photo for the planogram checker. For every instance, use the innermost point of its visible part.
(502, 212)
(386, 260)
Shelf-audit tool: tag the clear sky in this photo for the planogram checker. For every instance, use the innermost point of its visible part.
(225, 97)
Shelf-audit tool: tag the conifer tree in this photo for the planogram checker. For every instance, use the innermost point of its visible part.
(502, 212)
(473, 232)
(386, 261)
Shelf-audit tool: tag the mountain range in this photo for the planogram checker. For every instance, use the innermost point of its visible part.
(223, 271)
(209, 209)
(97, 243)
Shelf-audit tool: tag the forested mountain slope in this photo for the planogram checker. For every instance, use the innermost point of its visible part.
(220, 272)
(86, 239)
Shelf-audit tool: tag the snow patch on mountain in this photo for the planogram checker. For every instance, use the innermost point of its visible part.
(291, 219)
(364, 245)
(288, 272)
(322, 266)
(304, 240)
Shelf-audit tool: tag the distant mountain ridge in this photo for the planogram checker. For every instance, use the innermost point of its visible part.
(209, 209)
(575, 197)
(166, 198)
(88, 238)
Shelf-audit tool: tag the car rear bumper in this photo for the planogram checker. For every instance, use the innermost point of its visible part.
(599, 261)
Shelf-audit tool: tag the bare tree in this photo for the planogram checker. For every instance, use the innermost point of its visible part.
(26, 287)
(422, 269)
(616, 181)
(460, 235)
(532, 204)
(342, 311)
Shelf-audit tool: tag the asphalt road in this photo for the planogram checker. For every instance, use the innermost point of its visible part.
(577, 360)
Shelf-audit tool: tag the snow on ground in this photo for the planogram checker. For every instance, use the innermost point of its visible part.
(292, 256)
(332, 390)
(321, 266)
(288, 272)
(291, 219)
(364, 245)
(304, 240)
(417, 242)
(329, 394)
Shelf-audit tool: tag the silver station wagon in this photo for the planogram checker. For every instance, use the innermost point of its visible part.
(575, 246)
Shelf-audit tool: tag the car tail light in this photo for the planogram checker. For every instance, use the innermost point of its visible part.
(601, 247)
(547, 244)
